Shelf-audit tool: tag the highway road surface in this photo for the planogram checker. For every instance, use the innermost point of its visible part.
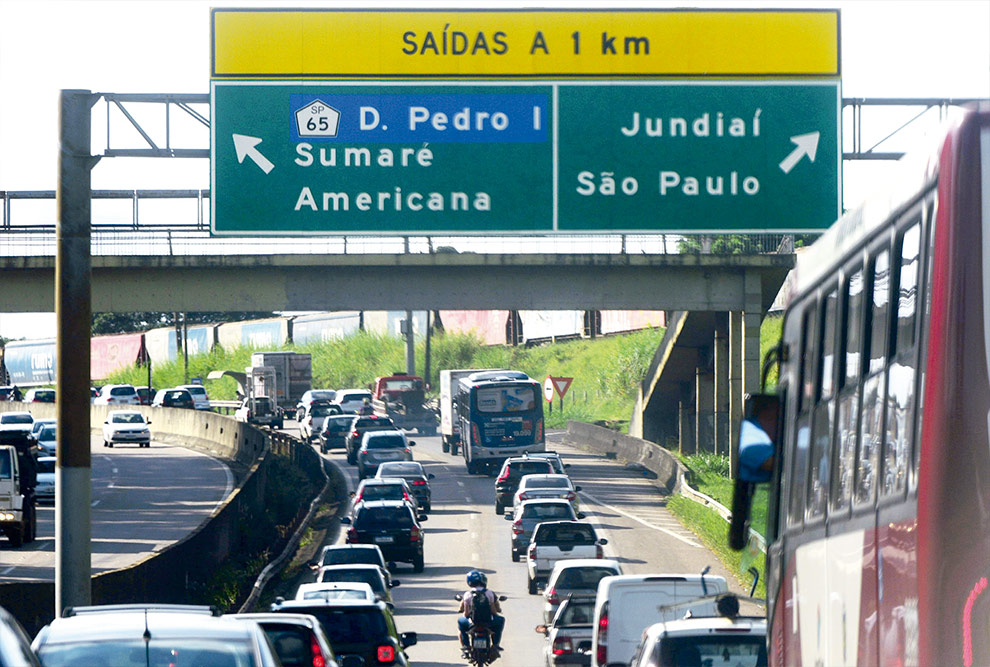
(142, 501)
(463, 533)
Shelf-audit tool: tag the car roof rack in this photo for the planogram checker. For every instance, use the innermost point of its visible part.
(212, 610)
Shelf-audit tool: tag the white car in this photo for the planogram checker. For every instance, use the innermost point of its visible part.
(532, 487)
(45, 488)
(335, 590)
(16, 421)
(117, 394)
(352, 400)
(312, 423)
(125, 426)
(200, 398)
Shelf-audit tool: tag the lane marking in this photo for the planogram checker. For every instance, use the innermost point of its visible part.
(460, 483)
(637, 519)
(8, 570)
(94, 503)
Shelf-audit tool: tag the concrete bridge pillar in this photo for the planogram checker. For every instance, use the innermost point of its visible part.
(735, 379)
(722, 422)
(704, 413)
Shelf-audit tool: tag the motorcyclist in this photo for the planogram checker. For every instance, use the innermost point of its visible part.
(479, 582)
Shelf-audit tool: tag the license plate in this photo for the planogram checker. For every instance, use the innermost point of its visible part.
(480, 642)
(385, 539)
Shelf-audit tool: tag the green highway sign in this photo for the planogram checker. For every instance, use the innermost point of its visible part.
(317, 157)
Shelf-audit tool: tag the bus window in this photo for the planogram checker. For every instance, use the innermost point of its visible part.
(799, 457)
(852, 345)
(824, 411)
(901, 376)
(874, 391)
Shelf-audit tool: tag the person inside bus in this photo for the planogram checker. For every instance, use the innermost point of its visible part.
(757, 435)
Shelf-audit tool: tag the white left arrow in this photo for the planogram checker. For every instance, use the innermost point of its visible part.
(807, 144)
(245, 147)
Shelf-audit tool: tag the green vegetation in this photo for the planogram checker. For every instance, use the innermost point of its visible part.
(606, 371)
(770, 334)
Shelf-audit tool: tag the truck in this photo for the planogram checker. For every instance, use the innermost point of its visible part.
(450, 434)
(402, 398)
(18, 478)
(293, 376)
(258, 407)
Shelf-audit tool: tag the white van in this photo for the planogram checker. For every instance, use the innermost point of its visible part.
(627, 604)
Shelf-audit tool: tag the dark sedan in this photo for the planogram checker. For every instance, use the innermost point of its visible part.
(417, 478)
(393, 526)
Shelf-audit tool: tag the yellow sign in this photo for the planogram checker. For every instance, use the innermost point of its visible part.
(322, 44)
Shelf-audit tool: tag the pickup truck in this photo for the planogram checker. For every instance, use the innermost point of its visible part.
(557, 540)
(569, 633)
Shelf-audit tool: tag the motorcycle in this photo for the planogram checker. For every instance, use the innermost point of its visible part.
(481, 641)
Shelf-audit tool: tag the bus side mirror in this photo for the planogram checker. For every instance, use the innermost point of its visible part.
(757, 452)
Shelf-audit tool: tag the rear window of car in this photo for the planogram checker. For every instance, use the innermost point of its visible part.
(123, 391)
(196, 391)
(178, 396)
(44, 394)
(365, 423)
(350, 557)
(354, 396)
(347, 626)
(548, 512)
(389, 469)
(369, 576)
(521, 468)
(577, 614)
(386, 442)
(576, 534)
(291, 642)
(46, 465)
(16, 419)
(339, 424)
(323, 410)
(748, 650)
(382, 492)
(374, 517)
(583, 577)
(547, 483)
(153, 652)
(325, 395)
(46, 433)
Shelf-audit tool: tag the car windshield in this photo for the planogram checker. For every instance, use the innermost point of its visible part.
(366, 576)
(47, 433)
(122, 391)
(745, 650)
(383, 517)
(351, 626)
(46, 464)
(322, 410)
(351, 556)
(553, 512)
(386, 442)
(577, 613)
(16, 419)
(400, 469)
(128, 418)
(155, 652)
(583, 577)
(547, 483)
(383, 492)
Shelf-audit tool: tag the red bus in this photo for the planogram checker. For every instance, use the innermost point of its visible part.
(878, 536)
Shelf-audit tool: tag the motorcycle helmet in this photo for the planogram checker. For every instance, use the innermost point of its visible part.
(476, 578)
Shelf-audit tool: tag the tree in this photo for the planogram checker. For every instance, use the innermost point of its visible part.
(117, 323)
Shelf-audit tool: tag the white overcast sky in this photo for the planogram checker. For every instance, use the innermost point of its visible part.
(892, 48)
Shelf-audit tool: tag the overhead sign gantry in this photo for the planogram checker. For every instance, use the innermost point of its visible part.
(528, 121)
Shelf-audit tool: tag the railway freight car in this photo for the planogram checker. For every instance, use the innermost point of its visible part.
(272, 332)
(322, 327)
(492, 327)
(112, 353)
(29, 362)
(162, 344)
(389, 322)
(622, 321)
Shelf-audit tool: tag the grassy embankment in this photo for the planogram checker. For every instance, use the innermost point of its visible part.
(710, 475)
(606, 371)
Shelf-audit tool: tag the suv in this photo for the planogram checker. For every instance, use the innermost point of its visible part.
(158, 633)
(393, 526)
(528, 514)
(40, 396)
(200, 397)
(117, 394)
(298, 638)
(553, 457)
(379, 447)
(704, 640)
(381, 584)
(360, 426)
(312, 423)
(411, 472)
(361, 632)
(378, 488)
(334, 432)
(353, 400)
(512, 471)
(576, 576)
(313, 396)
(349, 554)
(173, 398)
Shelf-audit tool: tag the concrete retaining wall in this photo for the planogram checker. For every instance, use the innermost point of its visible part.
(179, 572)
(634, 450)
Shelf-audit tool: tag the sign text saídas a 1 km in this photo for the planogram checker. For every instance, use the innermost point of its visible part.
(477, 155)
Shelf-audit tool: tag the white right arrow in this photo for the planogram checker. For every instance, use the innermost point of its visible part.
(807, 144)
(245, 147)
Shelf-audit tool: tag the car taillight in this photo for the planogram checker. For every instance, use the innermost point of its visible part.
(386, 654)
(408, 452)
(317, 653)
(552, 596)
(405, 495)
(357, 498)
(599, 552)
(418, 482)
(503, 477)
(601, 655)
(517, 528)
(571, 495)
(562, 645)
(476, 435)
(531, 554)
(414, 534)
(523, 496)
(356, 434)
(539, 430)
(352, 535)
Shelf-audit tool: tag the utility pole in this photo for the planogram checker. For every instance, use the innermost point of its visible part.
(426, 352)
(73, 307)
(410, 344)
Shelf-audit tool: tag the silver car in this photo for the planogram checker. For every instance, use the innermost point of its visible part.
(578, 576)
(379, 447)
(532, 487)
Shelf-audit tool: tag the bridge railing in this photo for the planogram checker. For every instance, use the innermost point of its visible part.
(176, 222)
